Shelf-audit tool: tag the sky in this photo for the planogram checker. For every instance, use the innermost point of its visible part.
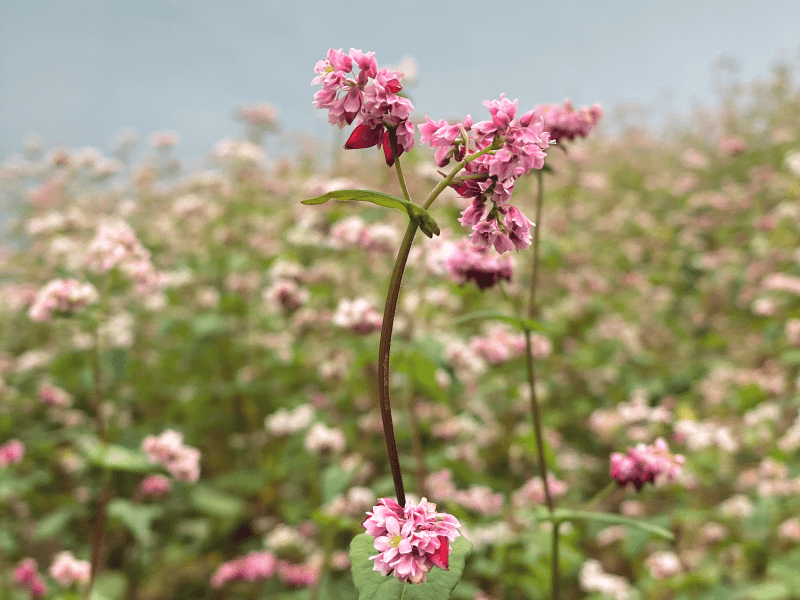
(76, 72)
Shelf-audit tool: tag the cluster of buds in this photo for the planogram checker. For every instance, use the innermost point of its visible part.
(372, 97)
(183, 462)
(566, 123)
(155, 486)
(26, 574)
(643, 464)
(62, 296)
(505, 148)
(410, 541)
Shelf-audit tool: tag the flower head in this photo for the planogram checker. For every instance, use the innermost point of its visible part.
(372, 97)
(410, 541)
(644, 463)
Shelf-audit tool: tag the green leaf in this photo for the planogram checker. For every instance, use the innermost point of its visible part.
(414, 211)
(371, 585)
(138, 518)
(112, 456)
(213, 502)
(562, 514)
(518, 322)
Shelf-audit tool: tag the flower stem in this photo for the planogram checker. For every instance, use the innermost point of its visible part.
(533, 310)
(449, 179)
(403, 592)
(601, 495)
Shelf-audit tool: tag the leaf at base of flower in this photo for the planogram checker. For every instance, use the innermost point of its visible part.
(371, 585)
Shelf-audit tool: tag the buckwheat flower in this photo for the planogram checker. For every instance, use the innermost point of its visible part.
(26, 575)
(410, 541)
(256, 566)
(11, 452)
(53, 396)
(594, 579)
(565, 123)
(357, 315)
(62, 296)
(467, 262)
(66, 569)
(183, 462)
(320, 439)
(299, 575)
(156, 486)
(643, 464)
(663, 564)
(286, 295)
(285, 422)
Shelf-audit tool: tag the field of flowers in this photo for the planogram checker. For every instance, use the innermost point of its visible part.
(189, 367)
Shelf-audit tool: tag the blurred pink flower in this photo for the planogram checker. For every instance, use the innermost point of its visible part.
(64, 296)
(66, 569)
(357, 315)
(643, 464)
(53, 396)
(183, 462)
(157, 486)
(565, 123)
(256, 566)
(410, 541)
(11, 452)
(26, 575)
(472, 263)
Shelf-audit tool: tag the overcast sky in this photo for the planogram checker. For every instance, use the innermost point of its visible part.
(78, 71)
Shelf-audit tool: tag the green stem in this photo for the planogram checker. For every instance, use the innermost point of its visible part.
(601, 495)
(403, 590)
(533, 310)
(398, 168)
(449, 179)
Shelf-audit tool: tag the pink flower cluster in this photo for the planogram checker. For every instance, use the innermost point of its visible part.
(357, 315)
(474, 263)
(371, 96)
(66, 569)
(64, 296)
(183, 462)
(116, 246)
(410, 541)
(11, 452)
(260, 566)
(513, 148)
(255, 566)
(566, 123)
(156, 486)
(53, 396)
(26, 575)
(644, 463)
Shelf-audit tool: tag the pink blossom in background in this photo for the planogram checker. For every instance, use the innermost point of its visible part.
(643, 464)
(663, 564)
(11, 452)
(286, 295)
(62, 296)
(408, 540)
(116, 246)
(66, 569)
(263, 116)
(473, 263)
(53, 396)
(156, 486)
(594, 579)
(358, 315)
(299, 575)
(256, 566)
(26, 574)
(731, 145)
(164, 139)
(532, 493)
(566, 123)
(321, 439)
(183, 462)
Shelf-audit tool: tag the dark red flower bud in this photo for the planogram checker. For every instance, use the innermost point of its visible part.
(364, 137)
